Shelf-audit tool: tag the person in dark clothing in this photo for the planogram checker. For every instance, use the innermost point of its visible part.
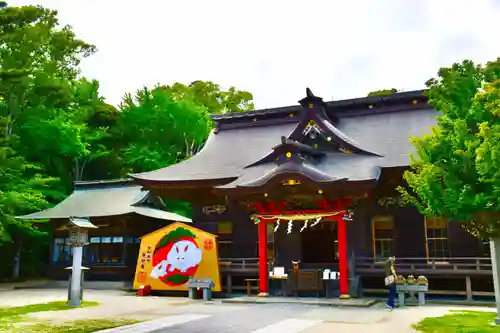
(390, 280)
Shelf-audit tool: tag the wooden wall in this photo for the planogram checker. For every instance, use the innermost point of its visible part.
(409, 237)
(408, 233)
(132, 225)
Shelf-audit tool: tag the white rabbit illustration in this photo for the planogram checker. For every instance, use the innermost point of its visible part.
(182, 256)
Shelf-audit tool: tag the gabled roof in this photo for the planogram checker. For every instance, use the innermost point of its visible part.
(104, 198)
(375, 130)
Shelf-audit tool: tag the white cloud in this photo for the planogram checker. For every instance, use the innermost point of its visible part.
(340, 49)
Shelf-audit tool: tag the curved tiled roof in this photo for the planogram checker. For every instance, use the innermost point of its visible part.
(384, 131)
(106, 198)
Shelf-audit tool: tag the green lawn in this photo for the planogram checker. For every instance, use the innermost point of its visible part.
(460, 322)
(14, 320)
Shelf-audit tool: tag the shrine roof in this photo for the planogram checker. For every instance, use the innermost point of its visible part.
(342, 107)
(379, 126)
(105, 198)
(335, 167)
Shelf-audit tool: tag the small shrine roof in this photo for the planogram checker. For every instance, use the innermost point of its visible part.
(104, 198)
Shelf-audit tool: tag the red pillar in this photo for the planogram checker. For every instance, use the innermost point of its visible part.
(343, 262)
(263, 273)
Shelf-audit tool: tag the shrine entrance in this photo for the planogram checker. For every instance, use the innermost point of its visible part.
(319, 245)
(317, 230)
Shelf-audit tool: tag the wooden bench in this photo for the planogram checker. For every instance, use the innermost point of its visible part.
(249, 285)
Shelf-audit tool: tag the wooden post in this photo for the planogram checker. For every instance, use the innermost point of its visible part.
(468, 288)
(263, 273)
(495, 267)
(343, 262)
(229, 282)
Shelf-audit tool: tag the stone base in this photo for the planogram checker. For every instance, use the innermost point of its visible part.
(321, 301)
(345, 296)
(263, 295)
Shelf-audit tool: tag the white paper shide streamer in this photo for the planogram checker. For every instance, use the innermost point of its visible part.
(316, 222)
(289, 230)
(304, 226)
(277, 225)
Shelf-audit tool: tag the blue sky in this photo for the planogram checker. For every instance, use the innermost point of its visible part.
(276, 48)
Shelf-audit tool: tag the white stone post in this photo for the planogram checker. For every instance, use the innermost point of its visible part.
(76, 277)
(495, 268)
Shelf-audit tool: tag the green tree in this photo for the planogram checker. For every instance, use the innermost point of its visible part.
(38, 67)
(382, 92)
(210, 96)
(454, 172)
(78, 128)
(157, 130)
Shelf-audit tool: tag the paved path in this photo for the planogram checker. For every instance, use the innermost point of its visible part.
(174, 314)
(283, 318)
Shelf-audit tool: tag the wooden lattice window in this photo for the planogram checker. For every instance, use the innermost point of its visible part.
(382, 237)
(436, 236)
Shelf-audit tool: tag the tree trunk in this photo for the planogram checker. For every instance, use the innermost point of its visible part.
(10, 116)
(495, 256)
(16, 268)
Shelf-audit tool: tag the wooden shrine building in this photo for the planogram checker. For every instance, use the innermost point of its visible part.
(122, 210)
(315, 183)
(312, 184)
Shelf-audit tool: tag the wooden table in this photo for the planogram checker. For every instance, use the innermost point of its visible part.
(411, 289)
(249, 285)
(283, 279)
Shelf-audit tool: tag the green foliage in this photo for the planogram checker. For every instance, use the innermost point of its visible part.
(460, 321)
(55, 127)
(382, 92)
(76, 326)
(16, 311)
(173, 237)
(210, 96)
(455, 168)
(14, 319)
(157, 130)
(38, 63)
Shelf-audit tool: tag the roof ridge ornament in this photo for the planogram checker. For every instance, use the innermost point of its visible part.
(311, 100)
(315, 115)
(288, 146)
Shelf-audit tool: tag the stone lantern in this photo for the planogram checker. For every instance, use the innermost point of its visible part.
(78, 237)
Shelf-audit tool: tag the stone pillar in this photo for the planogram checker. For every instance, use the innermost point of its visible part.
(76, 277)
(495, 256)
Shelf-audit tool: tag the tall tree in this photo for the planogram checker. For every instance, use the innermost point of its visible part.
(212, 97)
(455, 171)
(158, 130)
(38, 62)
(448, 170)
